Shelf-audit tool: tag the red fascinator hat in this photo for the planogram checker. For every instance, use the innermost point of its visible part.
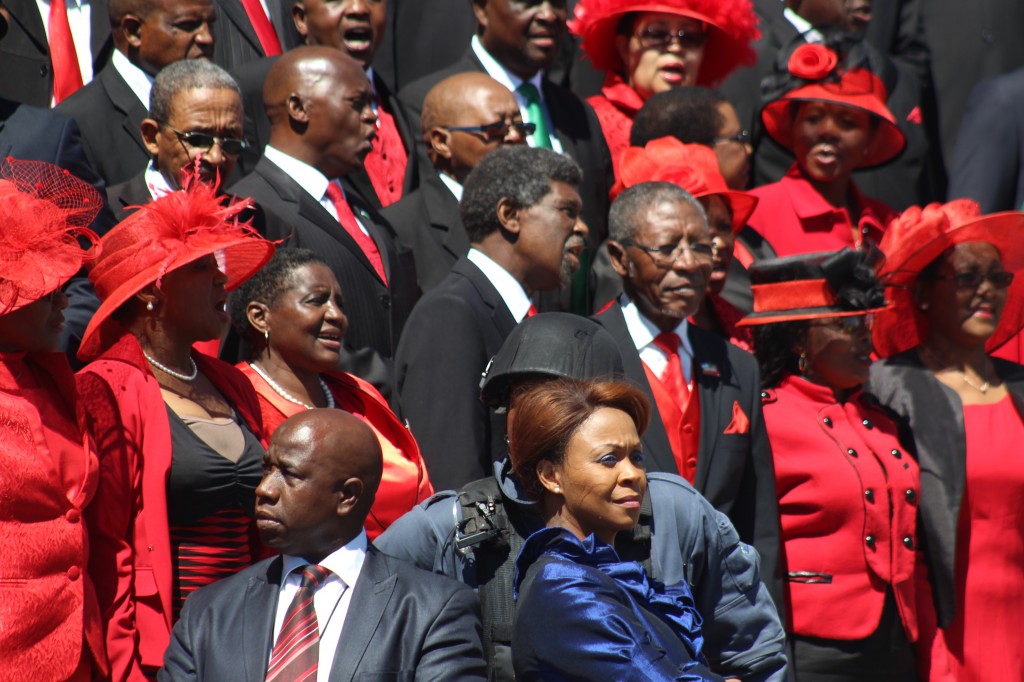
(821, 79)
(45, 210)
(731, 26)
(919, 236)
(812, 286)
(693, 167)
(165, 234)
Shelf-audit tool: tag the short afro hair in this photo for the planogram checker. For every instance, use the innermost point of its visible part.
(690, 115)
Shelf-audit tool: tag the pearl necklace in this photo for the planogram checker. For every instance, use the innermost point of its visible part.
(167, 370)
(983, 389)
(288, 396)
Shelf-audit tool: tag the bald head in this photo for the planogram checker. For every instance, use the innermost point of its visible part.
(320, 106)
(467, 99)
(321, 473)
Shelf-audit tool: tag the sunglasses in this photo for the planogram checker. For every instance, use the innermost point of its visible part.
(657, 38)
(497, 130)
(972, 279)
(203, 142)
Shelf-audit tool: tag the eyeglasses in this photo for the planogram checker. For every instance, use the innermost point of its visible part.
(657, 38)
(851, 324)
(232, 146)
(667, 254)
(742, 137)
(972, 279)
(497, 130)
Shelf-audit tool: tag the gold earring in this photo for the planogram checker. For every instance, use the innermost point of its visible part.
(802, 363)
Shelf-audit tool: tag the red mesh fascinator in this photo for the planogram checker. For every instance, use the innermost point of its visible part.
(693, 167)
(165, 234)
(45, 209)
(731, 26)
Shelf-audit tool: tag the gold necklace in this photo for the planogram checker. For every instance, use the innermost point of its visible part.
(983, 389)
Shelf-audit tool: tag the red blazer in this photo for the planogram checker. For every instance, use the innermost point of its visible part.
(404, 482)
(48, 607)
(129, 534)
(795, 219)
(616, 107)
(848, 499)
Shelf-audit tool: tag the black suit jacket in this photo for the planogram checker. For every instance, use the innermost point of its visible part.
(935, 416)
(110, 116)
(427, 222)
(735, 471)
(25, 54)
(376, 311)
(575, 124)
(451, 336)
(251, 78)
(403, 623)
(235, 40)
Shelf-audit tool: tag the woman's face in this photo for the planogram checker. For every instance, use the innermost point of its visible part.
(720, 222)
(602, 478)
(732, 149)
(662, 52)
(839, 351)
(306, 322)
(35, 327)
(830, 140)
(194, 301)
(964, 300)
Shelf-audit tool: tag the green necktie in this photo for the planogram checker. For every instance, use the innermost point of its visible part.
(535, 113)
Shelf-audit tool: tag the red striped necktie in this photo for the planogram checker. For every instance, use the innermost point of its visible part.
(296, 653)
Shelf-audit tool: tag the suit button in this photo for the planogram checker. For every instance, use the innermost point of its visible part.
(911, 495)
(867, 424)
(869, 495)
(44, 70)
(73, 516)
(896, 453)
(851, 452)
(385, 301)
(827, 422)
(870, 541)
(908, 542)
(74, 573)
(688, 428)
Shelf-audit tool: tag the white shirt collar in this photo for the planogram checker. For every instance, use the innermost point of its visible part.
(309, 178)
(346, 562)
(140, 82)
(156, 183)
(509, 288)
(452, 184)
(643, 331)
(498, 72)
(803, 27)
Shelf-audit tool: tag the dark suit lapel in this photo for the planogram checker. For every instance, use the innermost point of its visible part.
(26, 13)
(126, 102)
(99, 34)
(235, 13)
(258, 620)
(709, 368)
(370, 598)
(500, 314)
(443, 213)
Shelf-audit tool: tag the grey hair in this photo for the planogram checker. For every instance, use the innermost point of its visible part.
(627, 209)
(187, 74)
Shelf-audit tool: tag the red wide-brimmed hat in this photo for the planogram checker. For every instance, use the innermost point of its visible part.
(45, 209)
(920, 235)
(731, 26)
(165, 234)
(693, 167)
(822, 79)
(811, 286)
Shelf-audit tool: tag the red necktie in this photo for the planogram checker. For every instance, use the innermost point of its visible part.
(348, 221)
(264, 29)
(296, 653)
(673, 378)
(67, 76)
(386, 162)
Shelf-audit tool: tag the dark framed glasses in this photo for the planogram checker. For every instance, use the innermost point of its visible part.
(659, 37)
(667, 254)
(204, 141)
(742, 137)
(972, 279)
(497, 130)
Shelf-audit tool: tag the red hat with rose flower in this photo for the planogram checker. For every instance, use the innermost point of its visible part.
(731, 26)
(823, 80)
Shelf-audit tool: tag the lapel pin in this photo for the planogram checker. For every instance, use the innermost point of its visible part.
(709, 369)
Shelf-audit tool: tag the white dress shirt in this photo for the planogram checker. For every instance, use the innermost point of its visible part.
(140, 82)
(331, 599)
(643, 331)
(310, 179)
(80, 21)
(512, 82)
(452, 184)
(156, 183)
(803, 27)
(510, 290)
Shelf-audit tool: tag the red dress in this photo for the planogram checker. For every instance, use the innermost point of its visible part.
(985, 641)
(616, 107)
(404, 482)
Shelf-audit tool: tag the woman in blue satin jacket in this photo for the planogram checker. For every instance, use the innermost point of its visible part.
(581, 612)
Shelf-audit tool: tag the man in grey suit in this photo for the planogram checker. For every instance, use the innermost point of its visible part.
(321, 473)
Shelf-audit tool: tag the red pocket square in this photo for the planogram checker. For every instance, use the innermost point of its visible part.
(740, 423)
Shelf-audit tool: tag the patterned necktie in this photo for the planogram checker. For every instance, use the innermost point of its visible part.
(673, 378)
(348, 221)
(265, 32)
(535, 114)
(67, 75)
(296, 653)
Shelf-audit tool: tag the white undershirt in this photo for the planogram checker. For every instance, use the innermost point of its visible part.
(509, 288)
(80, 20)
(803, 27)
(643, 331)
